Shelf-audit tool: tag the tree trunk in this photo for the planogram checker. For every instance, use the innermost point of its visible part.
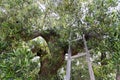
(50, 66)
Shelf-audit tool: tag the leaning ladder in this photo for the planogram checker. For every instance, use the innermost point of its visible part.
(69, 59)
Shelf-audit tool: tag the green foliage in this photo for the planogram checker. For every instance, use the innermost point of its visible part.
(80, 69)
(18, 65)
(20, 18)
(17, 18)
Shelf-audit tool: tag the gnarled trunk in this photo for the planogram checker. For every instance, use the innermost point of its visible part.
(49, 67)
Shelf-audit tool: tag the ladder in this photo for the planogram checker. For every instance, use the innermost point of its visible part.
(69, 59)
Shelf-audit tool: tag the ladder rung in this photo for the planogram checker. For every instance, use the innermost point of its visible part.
(78, 55)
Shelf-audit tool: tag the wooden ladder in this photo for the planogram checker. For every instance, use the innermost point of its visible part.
(69, 59)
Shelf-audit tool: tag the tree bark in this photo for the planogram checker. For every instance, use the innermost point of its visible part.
(49, 67)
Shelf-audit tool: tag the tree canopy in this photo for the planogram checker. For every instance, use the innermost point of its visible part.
(54, 21)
